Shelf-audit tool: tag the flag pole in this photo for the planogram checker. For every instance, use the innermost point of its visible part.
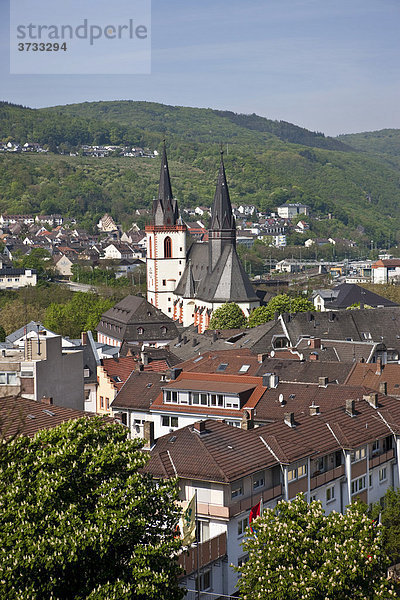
(198, 549)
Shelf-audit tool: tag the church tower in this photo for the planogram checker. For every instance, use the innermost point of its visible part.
(166, 245)
(222, 230)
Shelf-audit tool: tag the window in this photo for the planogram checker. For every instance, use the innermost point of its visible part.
(203, 531)
(297, 473)
(164, 282)
(8, 379)
(244, 368)
(124, 418)
(358, 455)
(167, 421)
(382, 474)
(258, 480)
(101, 402)
(237, 489)
(313, 498)
(357, 485)
(171, 396)
(330, 493)
(86, 372)
(140, 330)
(107, 403)
(242, 524)
(222, 367)
(375, 447)
(204, 580)
(167, 247)
(195, 398)
(242, 560)
(370, 480)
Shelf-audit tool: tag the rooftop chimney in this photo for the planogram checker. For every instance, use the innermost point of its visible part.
(144, 358)
(314, 356)
(261, 357)
(378, 367)
(47, 400)
(148, 434)
(214, 336)
(383, 387)
(315, 343)
(289, 419)
(350, 407)
(247, 421)
(372, 399)
(179, 337)
(185, 339)
(323, 381)
(314, 410)
(199, 427)
(84, 338)
(331, 316)
(194, 341)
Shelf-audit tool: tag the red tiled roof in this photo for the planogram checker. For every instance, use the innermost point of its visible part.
(119, 369)
(27, 417)
(370, 375)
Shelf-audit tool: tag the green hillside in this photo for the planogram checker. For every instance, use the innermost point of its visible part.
(385, 141)
(268, 163)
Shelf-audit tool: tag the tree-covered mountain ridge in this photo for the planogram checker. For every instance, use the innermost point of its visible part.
(268, 163)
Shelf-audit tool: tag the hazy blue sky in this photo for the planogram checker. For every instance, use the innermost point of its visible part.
(328, 65)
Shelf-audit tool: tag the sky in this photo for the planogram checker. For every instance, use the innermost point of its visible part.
(327, 65)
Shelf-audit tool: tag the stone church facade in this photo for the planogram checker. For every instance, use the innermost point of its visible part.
(188, 284)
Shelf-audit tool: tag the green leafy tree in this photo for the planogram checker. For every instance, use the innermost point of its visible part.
(79, 521)
(297, 551)
(279, 304)
(228, 316)
(81, 313)
(390, 517)
(37, 259)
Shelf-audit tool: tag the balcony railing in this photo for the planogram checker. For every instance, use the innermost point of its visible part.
(381, 458)
(250, 501)
(209, 551)
(330, 475)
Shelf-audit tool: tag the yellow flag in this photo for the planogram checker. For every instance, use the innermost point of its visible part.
(187, 523)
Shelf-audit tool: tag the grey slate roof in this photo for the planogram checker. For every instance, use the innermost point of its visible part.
(132, 313)
(346, 294)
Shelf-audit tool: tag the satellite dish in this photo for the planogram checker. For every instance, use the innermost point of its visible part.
(281, 398)
(272, 353)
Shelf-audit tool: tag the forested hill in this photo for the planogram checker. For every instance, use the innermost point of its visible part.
(385, 141)
(136, 123)
(268, 163)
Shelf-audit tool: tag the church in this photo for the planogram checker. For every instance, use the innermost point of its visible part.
(189, 283)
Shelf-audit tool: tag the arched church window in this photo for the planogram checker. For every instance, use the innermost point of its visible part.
(167, 247)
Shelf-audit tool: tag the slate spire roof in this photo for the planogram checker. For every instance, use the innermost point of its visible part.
(221, 211)
(165, 208)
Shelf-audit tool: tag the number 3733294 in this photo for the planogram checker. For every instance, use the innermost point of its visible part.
(42, 47)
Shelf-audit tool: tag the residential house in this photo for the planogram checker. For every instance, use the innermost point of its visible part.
(43, 369)
(331, 449)
(135, 320)
(111, 376)
(289, 211)
(386, 271)
(344, 295)
(118, 251)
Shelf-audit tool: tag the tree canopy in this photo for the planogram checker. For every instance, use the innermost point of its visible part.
(297, 551)
(81, 313)
(390, 517)
(79, 521)
(228, 316)
(279, 304)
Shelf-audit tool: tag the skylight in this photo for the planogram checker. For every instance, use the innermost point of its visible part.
(222, 367)
(244, 368)
(198, 359)
(48, 412)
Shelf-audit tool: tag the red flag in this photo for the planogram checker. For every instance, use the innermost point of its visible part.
(255, 512)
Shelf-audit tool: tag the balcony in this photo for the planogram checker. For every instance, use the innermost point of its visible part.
(326, 477)
(381, 458)
(209, 552)
(249, 502)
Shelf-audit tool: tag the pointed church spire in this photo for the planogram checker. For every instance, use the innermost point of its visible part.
(165, 208)
(221, 211)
